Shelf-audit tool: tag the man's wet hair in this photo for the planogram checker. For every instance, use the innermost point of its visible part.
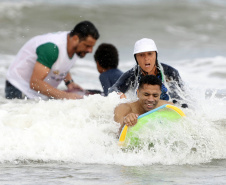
(107, 56)
(150, 80)
(85, 29)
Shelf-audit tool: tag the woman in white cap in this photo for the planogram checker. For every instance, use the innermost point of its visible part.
(146, 56)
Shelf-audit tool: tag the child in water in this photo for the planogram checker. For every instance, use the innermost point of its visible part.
(106, 57)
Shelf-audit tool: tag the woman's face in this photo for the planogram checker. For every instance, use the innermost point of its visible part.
(146, 61)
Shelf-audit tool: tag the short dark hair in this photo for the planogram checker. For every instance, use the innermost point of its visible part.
(151, 80)
(107, 56)
(85, 29)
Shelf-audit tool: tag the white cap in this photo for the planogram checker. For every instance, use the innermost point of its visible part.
(144, 45)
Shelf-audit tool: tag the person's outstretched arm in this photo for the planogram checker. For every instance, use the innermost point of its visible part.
(37, 83)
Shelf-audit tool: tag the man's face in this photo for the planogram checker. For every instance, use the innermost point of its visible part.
(85, 46)
(149, 96)
(146, 60)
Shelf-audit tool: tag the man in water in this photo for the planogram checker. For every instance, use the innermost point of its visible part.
(44, 62)
(148, 93)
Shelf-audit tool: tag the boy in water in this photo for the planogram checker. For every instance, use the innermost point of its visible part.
(106, 57)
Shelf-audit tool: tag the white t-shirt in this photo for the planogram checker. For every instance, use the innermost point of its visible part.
(20, 71)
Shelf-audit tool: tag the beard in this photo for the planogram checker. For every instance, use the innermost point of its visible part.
(82, 54)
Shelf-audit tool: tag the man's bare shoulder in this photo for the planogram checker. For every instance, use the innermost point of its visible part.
(120, 111)
(123, 106)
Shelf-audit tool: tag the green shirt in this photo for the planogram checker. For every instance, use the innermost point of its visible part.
(47, 54)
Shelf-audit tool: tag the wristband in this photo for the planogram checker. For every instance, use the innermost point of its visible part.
(68, 82)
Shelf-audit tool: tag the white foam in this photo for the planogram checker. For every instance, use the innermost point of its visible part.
(83, 131)
(204, 72)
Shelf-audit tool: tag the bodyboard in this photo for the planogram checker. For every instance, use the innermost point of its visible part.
(165, 112)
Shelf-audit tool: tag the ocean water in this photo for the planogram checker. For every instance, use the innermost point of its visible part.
(75, 141)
